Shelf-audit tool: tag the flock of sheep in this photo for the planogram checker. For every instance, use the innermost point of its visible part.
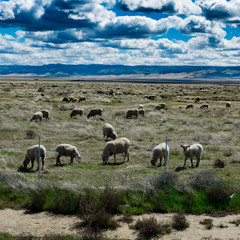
(113, 147)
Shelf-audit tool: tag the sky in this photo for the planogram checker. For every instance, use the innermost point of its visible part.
(128, 32)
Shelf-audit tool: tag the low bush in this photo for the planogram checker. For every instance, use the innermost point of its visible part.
(207, 222)
(179, 222)
(149, 228)
(219, 163)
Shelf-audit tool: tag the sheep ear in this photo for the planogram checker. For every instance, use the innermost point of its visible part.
(188, 146)
(181, 145)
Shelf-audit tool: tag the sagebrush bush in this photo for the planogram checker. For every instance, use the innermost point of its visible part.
(207, 222)
(149, 228)
(219, 163)
(31, 134)
(179, 221)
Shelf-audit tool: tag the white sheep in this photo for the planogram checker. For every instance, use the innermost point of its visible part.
(45, 114)
(191, 151)
(38, 116)
(119, 145)
(76, 111)
(132, 113)
(159, 152)
(67, 150)
(109, 132)
(94, 112)
(33, 154)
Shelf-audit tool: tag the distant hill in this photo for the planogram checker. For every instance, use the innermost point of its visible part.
(122, 72)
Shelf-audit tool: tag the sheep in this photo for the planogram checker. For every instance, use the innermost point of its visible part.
(119, 145)
(158, 153)
(160, 106)
(140, 106)
(189, 106)
(38, 116)
(45, 114)
(197, 99)
(228, 104)
(132, 113)
(141, 112)
(203, 106)
(94, 112)
(67, 150)
(109, 131)
(32, 155)
(191, 151)
(150, 97)
(82, 99)
(76, 111)
(66, 99)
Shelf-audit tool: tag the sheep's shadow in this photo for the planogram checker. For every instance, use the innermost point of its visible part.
(178, 169)
(60, 165)
(113, 164)
(26, 170)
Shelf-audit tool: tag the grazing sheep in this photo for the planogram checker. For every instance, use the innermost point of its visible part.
(150, 97)
(82, 99)
(109, 132)
(191, 151)
(45, 114)
(76, 111)
(203, 106)
(160, 106)
(197, 99)
(132, 113)
(141, 112)
(66, 99)
(74, 100)
(67, 150)
(228, 104)
(38, 116)
(32, 155)
(140, 106)
(119, 145)
(189, 106)
(158, 153)
(94, 112)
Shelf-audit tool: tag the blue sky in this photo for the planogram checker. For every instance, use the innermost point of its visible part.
(129, 32)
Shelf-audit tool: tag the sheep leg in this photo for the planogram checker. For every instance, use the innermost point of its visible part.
(192, 162)
(160, 164)
(42, 162)
(198, 161)
(128, 157)
(71, 161)
(185, 162)
(115, 160)
(32, 163)
(58, 160)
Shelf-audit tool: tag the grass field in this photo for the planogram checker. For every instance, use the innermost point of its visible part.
(216, 128)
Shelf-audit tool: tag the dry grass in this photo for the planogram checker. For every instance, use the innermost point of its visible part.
(216, 129)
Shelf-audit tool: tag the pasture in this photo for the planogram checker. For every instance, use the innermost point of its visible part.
(216, 128)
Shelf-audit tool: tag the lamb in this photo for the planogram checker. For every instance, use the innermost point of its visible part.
(119, 145)
(203, 106)
(94, 112)
(191, 151)
(76, 111)
(159, 152)
(32, 155)
(108, 131)
(67, 150)
(45, 114)
(189, 106)
(228, 104)
(38, 116)
(132, 113)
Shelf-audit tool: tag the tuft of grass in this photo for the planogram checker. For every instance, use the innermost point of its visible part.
(207, 222)
(149, 228)
(179, 221)
(31, 134)
(219, 163)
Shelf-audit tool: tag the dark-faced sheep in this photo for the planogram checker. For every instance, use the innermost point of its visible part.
(76, 111)
(197, 99)
(45, 114)
(38, 116)
(109, 132)
(159, 152)
(33, 154)
(81, 99)
(190, 151)
(67, 150)
(119, 145)
(160, 106)
(190, 106)
(204, 106)
(228, 104)
(95, 112)
(132, 113)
